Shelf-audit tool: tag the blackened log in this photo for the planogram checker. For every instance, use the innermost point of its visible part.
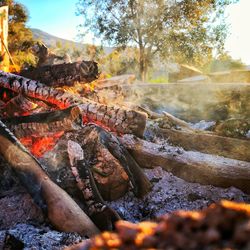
(120, 120)
(60, 209)
(190, 166)
(43, 123)
(102, 215)
(110, 162)
(65, 74)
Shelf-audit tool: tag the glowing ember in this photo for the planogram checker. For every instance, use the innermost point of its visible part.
(38, 146)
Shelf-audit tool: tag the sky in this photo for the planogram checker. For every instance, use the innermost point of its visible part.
(58, 18)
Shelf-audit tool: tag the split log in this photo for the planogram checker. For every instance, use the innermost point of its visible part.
(65, 74)
(117, 119)
(61, 210)
(110, 163)
(190, 166)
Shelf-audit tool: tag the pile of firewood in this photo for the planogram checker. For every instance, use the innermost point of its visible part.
(104, 147)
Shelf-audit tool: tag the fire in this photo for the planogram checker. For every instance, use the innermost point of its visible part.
(38, 146)
(80, 88)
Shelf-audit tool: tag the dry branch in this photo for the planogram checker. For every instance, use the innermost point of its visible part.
(190, 166)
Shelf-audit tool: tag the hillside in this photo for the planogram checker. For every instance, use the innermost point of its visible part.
(50, 40)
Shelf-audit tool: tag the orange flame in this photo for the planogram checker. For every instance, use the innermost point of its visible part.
(38, 146)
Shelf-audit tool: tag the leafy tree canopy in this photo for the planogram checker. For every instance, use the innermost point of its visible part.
(179, 30)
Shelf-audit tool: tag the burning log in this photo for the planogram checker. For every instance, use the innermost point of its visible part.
(103, 168)
(117, 119)
(113, 162)
(190, 166)
(43, 123)
(65, 74)
(18, 105)
(61, 210)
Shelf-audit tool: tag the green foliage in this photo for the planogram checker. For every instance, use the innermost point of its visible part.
(224, 62)
(120, 61)
(181, 31)
(159, 79)
(20, 39)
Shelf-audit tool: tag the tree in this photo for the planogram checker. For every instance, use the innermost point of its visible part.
(222, 63)
(180, 30)
(20, 38)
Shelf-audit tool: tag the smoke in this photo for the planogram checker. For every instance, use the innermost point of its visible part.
(194, 102)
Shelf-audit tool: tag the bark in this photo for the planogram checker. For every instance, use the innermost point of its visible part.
(179, 133)
(65, 74)
(190, 166)
(43, 123)
(111, 163)
(61, 210)
(208, 143)
(114, 118)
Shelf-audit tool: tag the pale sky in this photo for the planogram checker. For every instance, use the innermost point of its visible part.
(58, 18)
(238, 42)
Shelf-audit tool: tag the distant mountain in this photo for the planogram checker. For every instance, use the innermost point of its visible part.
(50, 40)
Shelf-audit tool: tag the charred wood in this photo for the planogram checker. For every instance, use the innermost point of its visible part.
(120, 120)
(60, 209)
(43, 123)
(109, 161)
(65, 74)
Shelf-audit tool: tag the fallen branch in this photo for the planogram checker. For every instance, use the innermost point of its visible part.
(190, 166)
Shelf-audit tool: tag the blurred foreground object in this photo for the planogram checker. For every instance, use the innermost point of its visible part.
(225, 225)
